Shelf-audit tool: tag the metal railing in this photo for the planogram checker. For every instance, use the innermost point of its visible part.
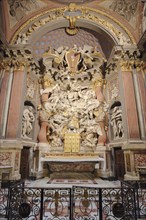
(139, 196)
(5, 186)
(76, 203)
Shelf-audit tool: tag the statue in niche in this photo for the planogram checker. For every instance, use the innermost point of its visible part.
(74, 104)
(27, 122)
(116, 123)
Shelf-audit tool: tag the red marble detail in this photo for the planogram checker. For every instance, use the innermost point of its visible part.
(76, 167)
(140, 159)
(15, 103)
(5, 158)
(42, 137)
(17, 160)
(130, 105)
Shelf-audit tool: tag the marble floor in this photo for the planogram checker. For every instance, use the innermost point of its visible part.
(51, 182)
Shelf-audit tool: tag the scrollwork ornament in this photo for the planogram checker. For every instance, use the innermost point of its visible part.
(139, 65)
(127, 65)
(123, 35)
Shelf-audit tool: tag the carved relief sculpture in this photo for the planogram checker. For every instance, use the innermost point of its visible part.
(27, 122)
(117, 123)
(19, 9)
(125, 8)
(73, 103)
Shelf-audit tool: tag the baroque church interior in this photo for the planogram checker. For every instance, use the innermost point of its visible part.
(72, 80)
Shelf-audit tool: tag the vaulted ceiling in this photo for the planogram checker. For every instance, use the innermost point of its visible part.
(102, 22)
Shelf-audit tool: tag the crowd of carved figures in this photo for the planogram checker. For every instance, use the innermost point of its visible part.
(71, 99)
(68, 96)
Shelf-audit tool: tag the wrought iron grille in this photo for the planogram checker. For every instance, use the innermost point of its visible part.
(103, 203)
(5, 195)
(76, 203)
(40, 203)
(139, 188)
(85, 203)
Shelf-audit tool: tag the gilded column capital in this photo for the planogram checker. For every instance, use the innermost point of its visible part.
(7, 64)
(99, 82)
(126, 65)
(19, 59)
(140, 65)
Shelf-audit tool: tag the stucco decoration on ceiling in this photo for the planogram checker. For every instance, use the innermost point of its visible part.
(126, 8)
(19, 9)
(113, 27)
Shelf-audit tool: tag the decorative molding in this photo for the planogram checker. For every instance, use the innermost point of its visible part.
(122, 34)
(19, 59)
(126, 58)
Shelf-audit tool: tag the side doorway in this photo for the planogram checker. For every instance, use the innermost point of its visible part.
(119, 165)
(24, 164)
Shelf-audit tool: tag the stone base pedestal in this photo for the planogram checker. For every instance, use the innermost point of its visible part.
(130, 177)
(104, 170)
(10, 154)
(39, 167)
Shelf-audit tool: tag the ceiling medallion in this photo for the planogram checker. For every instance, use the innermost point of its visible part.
(72, 14)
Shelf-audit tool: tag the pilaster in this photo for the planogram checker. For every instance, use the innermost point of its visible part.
(127, 64)
(16, 101)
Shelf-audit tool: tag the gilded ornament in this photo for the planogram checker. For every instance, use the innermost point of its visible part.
(85, 13)
(72, 14)
(126, 65)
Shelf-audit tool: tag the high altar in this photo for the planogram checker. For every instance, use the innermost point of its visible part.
(72, 98)
(72, 110)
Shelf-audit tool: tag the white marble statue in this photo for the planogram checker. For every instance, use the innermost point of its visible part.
(116, 123)
(27, 122)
